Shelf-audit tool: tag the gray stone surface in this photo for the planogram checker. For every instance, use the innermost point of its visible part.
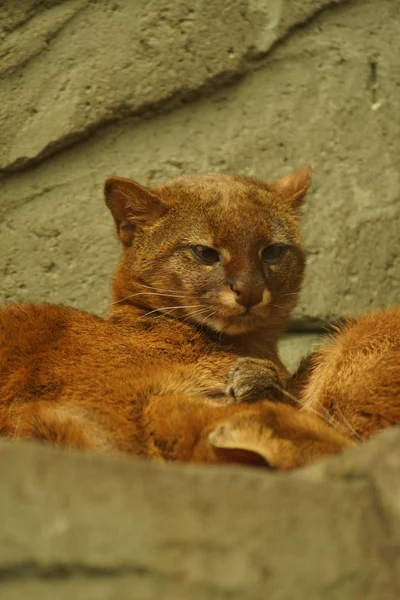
(315, 82)
(294, 346)
(76, 526)
(72, 66)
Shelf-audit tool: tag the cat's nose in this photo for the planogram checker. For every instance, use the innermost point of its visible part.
(246, 295)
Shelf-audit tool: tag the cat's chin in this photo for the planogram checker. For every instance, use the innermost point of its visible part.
(231, 326)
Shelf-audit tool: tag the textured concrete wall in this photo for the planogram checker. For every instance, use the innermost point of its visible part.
(150, 90)
(77, 527)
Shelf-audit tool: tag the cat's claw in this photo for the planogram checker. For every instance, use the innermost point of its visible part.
(252, 379)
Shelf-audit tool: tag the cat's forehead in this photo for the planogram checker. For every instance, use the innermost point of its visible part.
(215, 189)
(226, 209)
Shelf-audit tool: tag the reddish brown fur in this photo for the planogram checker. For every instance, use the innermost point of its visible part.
(153, 384)
(74, 379)
(238, 217)
(354, 378)
(68, 378)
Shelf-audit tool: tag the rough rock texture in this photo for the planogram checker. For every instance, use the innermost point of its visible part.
(294, 346)
(80, 527)
(89, 89)
(71, 66)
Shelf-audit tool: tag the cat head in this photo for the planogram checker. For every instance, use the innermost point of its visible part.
(219, 250)
(276, 436)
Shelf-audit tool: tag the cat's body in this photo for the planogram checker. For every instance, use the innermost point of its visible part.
(211, 269)
(163, 381)
(80, 364)
(352, 382)
(68, 379)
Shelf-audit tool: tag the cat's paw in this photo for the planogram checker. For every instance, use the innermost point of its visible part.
(252, 379)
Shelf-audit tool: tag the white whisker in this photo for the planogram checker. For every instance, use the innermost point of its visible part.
(345, 422)
(195, 313)
(328, 418)
(146, 294)
(208, 316)
(151, 287)
(162, 308)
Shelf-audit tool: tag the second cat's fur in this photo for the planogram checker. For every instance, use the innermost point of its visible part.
(353, 379)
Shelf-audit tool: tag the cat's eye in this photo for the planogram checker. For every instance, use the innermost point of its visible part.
(274, 253)
(207, 256)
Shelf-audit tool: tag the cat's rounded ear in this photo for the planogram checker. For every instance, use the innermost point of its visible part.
(131, 205)
(281, 436)
(293, 187)
(237, 441)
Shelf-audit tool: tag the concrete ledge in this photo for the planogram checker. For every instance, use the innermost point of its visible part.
(76, 526)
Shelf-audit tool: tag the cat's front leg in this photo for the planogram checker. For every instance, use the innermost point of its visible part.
(252, 379)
